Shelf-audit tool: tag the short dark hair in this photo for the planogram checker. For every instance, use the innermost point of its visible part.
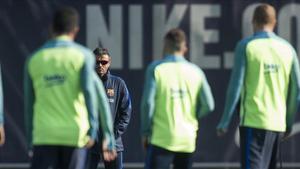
(101, 51)
(174, 38)
(65, 20)
(264, 14)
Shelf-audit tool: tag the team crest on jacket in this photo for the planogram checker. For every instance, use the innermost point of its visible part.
(110, 92)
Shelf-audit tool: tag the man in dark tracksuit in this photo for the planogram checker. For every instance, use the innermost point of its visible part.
(120, 105)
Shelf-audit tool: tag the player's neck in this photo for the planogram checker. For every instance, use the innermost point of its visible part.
(65, 37)
(178, 54)
(266, 28)
(71, 36)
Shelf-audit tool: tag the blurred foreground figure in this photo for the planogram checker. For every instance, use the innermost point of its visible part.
(2, 132)
(60, 99)
(265, 79)
(176, 95)
(120, 106)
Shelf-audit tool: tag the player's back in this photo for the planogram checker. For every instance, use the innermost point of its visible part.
(268, 67)
(178, 84)
(60, 114)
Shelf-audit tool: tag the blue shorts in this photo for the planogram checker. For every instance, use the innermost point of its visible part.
(160, 158)
(259, 148)
(58, 157)
(95, 158)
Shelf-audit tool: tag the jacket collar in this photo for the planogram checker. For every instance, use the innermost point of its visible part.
(106, 76)
(262, 32)
(175, 58)
(63, 38)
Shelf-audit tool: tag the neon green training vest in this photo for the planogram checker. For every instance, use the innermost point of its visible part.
(177, 100)
(60, 114)
(264, 94)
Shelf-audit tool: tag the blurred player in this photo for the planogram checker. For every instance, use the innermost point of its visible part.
(2, 132)
(265, 78)
(61, 101)
(120, 106)
(176, 95)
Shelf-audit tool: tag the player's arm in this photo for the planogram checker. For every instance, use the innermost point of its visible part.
(1, 100)
(148, 104)
(29, 98)
(124, 111)
(234, 88)
(293, 98)
(206, 99)
(89, 91)
(2, 133)
(104, 113)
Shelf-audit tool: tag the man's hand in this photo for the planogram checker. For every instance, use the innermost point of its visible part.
(30, 153)
(90, 143)
(145, 142)
(108, 155)
(221, 132)
(2, 135)
(287, 134)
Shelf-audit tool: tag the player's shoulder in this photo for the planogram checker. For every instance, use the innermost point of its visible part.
(83, 49)
(283, 41)
(245, 41)
(118, 80)
(195, 68)
(33, 56)
(154, 64)
(46, 45)
(86, 53)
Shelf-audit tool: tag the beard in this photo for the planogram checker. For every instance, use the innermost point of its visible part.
(101, 72)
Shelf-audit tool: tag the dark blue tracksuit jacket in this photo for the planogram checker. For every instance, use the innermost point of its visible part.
(120, 106)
